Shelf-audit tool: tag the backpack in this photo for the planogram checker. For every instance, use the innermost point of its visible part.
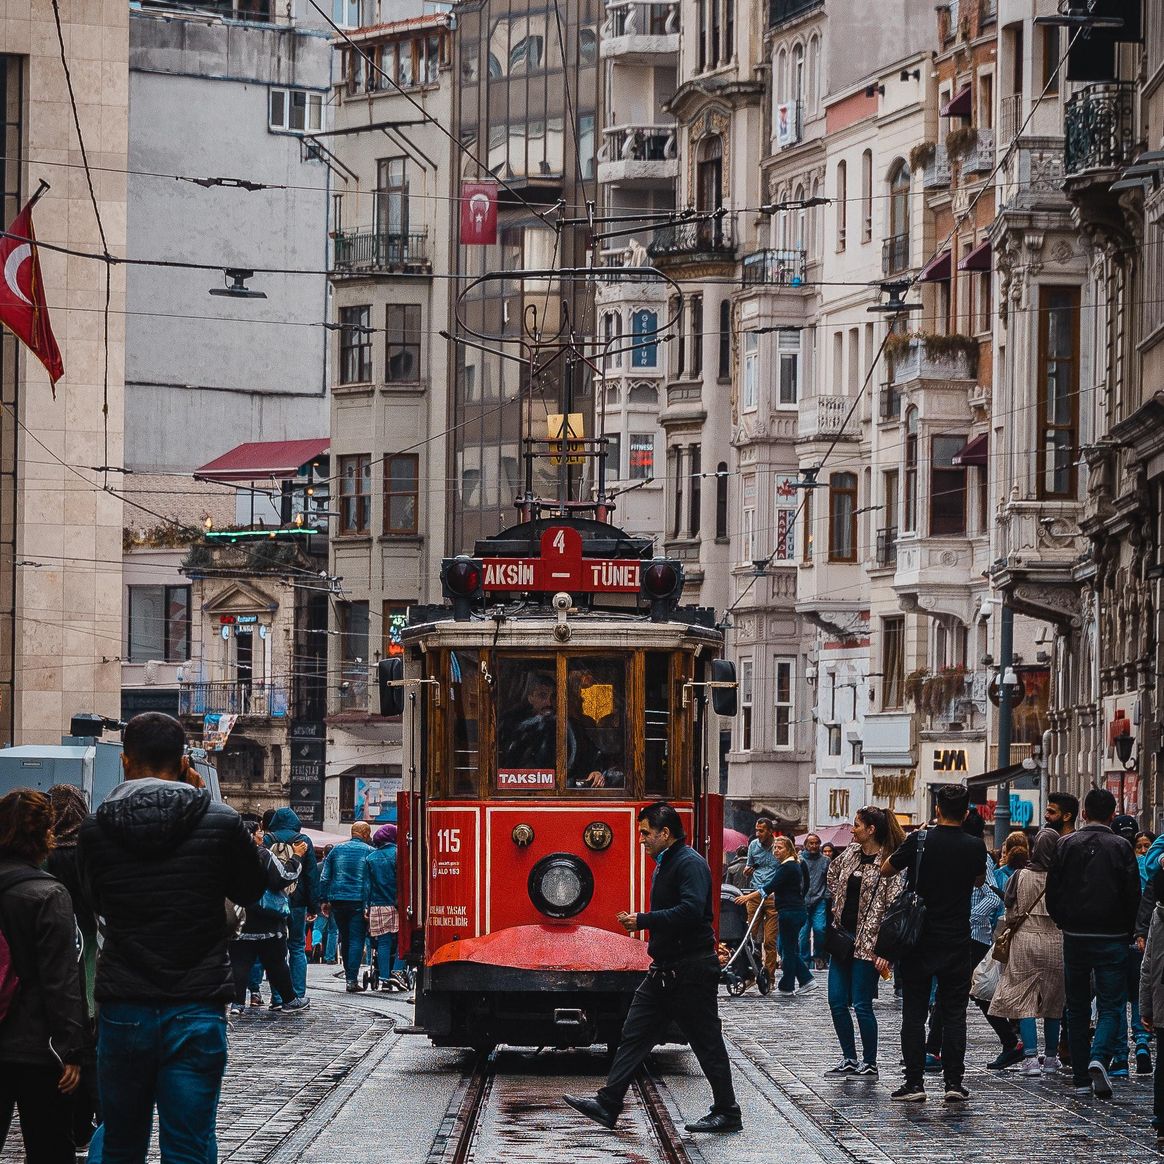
(9, 979)
(279, 900)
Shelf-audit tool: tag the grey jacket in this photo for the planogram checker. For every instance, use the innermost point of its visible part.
(1152, 971)
(818, 871)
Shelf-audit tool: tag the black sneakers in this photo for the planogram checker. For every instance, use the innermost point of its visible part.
(956, 1093)
(718, 1121)
(910, 1093)
(844, 1067)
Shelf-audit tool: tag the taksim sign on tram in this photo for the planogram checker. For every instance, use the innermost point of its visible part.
(562, 567)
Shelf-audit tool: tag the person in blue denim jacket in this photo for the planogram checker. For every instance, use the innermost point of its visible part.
(342, 883)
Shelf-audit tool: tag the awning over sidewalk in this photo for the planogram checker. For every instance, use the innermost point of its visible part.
(264, 460)
(978, 259)
(937, 270)
(1005, 775)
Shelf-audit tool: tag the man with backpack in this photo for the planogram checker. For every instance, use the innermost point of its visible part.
(943, 864)
(282, 832)
(264, 931)
(157, 861)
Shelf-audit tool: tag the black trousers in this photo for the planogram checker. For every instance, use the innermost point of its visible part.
(1005, 1029)
(46, 1116)
(949, 962)
(272, 953)
(685, 996)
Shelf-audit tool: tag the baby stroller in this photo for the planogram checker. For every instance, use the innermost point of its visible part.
(401, 980)
(740, 951)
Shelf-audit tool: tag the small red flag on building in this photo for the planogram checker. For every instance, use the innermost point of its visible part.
(478, 213)
(22, 305)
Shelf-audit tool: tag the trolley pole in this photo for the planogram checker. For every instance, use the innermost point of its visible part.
(1005, 723)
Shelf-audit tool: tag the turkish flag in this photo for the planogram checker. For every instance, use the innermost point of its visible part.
(22, 307)
(478, 213)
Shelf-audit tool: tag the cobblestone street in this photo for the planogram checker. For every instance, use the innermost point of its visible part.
(340, 1080)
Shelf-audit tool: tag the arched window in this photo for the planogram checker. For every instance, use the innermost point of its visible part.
(780, 88)
(797, 78)
(814, 220)
(709, 174)
(909, 499)
(866, 195)
(800, 233)
(721, 500)
(842, 204)
(814, 79)
(898, 241)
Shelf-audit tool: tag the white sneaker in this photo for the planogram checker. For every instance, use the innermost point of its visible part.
(1051, 1065)
(1031, 1066)
(809, 985)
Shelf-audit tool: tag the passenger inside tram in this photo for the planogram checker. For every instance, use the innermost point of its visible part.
(527, 733)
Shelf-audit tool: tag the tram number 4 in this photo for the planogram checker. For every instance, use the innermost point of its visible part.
(559, 542)
(448, 840)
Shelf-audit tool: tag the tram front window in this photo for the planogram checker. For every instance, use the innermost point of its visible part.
(527, 724)
(596, 724)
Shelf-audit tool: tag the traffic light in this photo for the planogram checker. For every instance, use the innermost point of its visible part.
(661, 584)
(390, 676)
(462, 580)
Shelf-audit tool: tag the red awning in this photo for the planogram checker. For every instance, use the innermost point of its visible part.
(978, 259)
(937, 270)
(264, 460)
(958, 105)
(975, 452)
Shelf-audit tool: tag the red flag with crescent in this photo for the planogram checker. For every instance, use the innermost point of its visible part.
(478, 213)
(22, 306)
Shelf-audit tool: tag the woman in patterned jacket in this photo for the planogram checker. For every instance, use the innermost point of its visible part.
(860, 896)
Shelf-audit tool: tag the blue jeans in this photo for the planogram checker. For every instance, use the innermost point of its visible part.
(853, 983)
(1141, 1038)
(349, 920)
(385, 954)
(297, 949)
(1029, 1033)
(795, 971)
(171, 1057)
(1106, 959)
(814, 928)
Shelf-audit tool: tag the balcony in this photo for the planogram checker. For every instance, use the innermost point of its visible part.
(775, 268)
(895, 254)
(887, 547)
(935, 357)
(639, 156)
(257, 700)
(781, 10)
(826, 417)
(714, 238)
(980, 160)
(936, 172)
(889, 735)
(889, 403)
(1100, 130)
(1033, 175)
(639, 31)
(360, 252)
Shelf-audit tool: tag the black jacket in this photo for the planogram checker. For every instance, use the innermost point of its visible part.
(157, 861)
(788, 887)
(680, 917)
(1093, 887)
(46, 1022)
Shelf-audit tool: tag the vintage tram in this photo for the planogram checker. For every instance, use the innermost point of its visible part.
(564, 687)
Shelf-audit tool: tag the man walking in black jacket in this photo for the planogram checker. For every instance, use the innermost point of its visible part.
(683, 980)
(157, 862)
(1093, 891)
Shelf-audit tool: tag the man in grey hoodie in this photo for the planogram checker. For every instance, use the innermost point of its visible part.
(813, 935)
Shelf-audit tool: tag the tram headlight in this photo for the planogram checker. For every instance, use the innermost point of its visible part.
(598, 835)
(560, 885)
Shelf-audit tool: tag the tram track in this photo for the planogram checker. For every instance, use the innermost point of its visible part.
(506, 1112)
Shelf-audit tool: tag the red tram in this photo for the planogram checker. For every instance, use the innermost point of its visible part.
(565, 688)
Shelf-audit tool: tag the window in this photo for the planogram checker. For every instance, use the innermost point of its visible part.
(611, 340)
(676, 459)
(714, 34)
(642, 456)
(783, 672)
(745, 678)
(346, 13)
(725, 340)
(295, 110)
(748, 518)
(1058, 390)
(983, 302)
(390, 207)
(400, 493)
(834, 738)
(709, 182)
(645, 349)
(395, 619)
(842, 204)
(808, 537)
(813, 95)
(1050, 60)
(695, 469)
(947, 487)
(843, 517)
(897, 252)
(909, 501)
(701, 42)
(788, 372)
(402, 339)
(355, 474)
(613, 456)
(676, 319)
(866, 196)
(785, 504)
(159, 624)
(893, 662)
(353, 628)
(355, 345)
(751, 376)
(696, 335)
(721, 500)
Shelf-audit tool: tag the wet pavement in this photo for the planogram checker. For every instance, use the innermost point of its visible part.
(340, 1083)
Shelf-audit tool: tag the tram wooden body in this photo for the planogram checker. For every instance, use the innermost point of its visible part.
(563, 688)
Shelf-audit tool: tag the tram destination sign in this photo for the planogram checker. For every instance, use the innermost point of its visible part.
(561, 566)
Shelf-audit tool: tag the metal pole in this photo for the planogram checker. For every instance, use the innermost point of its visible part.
(1005, 724)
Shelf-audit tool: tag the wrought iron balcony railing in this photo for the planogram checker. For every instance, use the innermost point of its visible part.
(1099, 127)
(262, 700)
(715, 236)
(639, 143)
(779, 268)
(373, 250)
(640, 18)
(887, 546)
(889, 404)
(895, 254)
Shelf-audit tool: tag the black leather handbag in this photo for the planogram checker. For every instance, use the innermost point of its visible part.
(901, 928)
(838, 942)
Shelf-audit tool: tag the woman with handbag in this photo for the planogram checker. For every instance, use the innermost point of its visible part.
(1030, 946)
(860, 896)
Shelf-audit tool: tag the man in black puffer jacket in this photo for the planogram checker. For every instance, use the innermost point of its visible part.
(157, 862)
